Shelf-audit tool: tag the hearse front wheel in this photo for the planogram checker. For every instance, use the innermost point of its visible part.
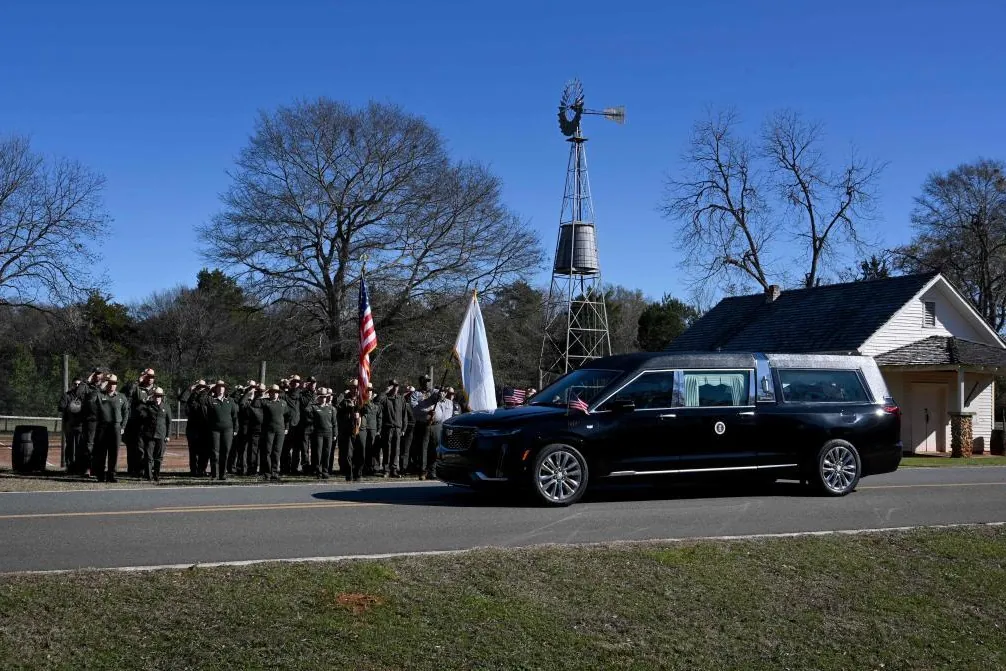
(559, 475)
(837, 468)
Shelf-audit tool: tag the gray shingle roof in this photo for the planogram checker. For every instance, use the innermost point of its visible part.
(833, 318)
(944, 351)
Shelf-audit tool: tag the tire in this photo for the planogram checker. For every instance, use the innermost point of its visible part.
(559, 476)
(837, 469)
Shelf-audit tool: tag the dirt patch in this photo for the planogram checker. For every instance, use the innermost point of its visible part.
(358, 603)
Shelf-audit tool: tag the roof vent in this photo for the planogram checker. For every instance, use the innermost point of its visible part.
(772, 293)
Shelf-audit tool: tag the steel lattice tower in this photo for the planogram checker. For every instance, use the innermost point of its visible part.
(575, 319)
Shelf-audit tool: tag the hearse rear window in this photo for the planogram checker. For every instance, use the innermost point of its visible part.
(822, 386)
(716, 388)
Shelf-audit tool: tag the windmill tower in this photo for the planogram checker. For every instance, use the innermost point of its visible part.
(575, 321)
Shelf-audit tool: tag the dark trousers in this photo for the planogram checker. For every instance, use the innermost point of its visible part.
(153, 455)
(85, 452)
(72, 437)
(306, 445)
(357, 458)
(134, 448)
(251, 449)
(345, 442)
(417, 450)
(405, 463)
(330, 464)
(194, 438)
(291, 446)
(378, 453)
(106, 449)
(391, 444)
(429, 453)
(271, 449)
(220, 445)
(236, 456)
(321, 453)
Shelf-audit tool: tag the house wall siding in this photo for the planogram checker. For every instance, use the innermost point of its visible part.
(907, 325)
(983, 406)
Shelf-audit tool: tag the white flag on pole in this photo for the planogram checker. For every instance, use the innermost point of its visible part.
(472, 350)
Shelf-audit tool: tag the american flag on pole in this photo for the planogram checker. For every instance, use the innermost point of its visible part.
(513, 396)
(368, 338)
(578, 405)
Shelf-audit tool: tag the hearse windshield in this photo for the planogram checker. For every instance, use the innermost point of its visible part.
(584, 384)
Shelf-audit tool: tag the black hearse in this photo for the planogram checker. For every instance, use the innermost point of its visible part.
(826, 419)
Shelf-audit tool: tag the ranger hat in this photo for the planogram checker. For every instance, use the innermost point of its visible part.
(158, 391)
(275, 387)
(148, 373)
(410, 389)
(393, 383)
(370, 385)
(353, 383)
(261, 386)
(113, 379)
(220, 383)
(252, 383)
(200, 383)
(450, 390)
(424, 377)
(295, 378)
(312, 379)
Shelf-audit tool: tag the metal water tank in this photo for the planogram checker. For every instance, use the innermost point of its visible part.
(577, 252)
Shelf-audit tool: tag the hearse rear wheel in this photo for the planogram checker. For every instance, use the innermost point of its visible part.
(559, 476)
(837, 468)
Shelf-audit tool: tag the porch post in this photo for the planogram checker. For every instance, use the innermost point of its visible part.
(961, 423)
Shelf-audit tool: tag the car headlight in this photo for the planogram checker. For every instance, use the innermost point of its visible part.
(498, 433)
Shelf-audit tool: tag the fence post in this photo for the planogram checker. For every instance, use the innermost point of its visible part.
(261, 372)
(62, 432)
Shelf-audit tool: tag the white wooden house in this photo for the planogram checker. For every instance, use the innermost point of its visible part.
(938, 355)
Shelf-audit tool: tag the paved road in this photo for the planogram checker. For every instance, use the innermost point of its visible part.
(175, 525)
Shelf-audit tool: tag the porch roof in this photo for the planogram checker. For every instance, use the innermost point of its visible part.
(944, 351)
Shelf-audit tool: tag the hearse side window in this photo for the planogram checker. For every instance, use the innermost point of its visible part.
(649, 391)
(716, 388)
(822, 386)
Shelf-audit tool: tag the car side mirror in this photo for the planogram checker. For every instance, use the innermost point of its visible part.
(621, 405)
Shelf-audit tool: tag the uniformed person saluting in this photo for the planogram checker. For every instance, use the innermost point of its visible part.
(275, 425)
(347, 416)
(293, 439)
(154, 427)
(393, 419)
(113, 412)
(221, 422)
(88, 392)
(323, 427)
(251, 417)
(136, 393)
(440, 409)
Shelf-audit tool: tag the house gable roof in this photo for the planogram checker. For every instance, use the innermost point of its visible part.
(832, 318)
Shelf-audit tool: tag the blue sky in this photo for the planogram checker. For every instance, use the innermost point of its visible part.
(160, 97)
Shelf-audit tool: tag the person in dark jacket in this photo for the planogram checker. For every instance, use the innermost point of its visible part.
(308, 399)
(404, 460)
(393, 420)
(195, 426)
(154, 426)
(348, 416)
(221, 422)
(292, 439)
(137, 393)
(113, 413)
(88, 392)
(364, 462)
(70, 410)
(275, 426)
(250, 417)
(237, 458)
(323, 427)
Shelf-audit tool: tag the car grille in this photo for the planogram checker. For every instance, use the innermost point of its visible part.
(458, 438)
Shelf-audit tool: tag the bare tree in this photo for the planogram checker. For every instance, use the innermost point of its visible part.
(321, 186)
(740, 200)
(960, 224)
(50, 210)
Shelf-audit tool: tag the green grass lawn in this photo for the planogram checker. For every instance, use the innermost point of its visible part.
(947, 461)
(928, 599)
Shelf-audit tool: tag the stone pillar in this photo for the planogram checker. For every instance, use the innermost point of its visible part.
(961, 436)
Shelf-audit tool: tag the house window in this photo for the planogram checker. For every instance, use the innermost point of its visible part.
(929, 320)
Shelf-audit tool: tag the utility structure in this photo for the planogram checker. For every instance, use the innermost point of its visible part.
(575, 320)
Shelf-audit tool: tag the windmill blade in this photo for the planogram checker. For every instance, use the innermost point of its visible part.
(616, 114)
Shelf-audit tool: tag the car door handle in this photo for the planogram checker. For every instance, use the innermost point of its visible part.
(669, 415)
(748, 413)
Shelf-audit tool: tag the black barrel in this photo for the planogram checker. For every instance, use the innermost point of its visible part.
(30, 449)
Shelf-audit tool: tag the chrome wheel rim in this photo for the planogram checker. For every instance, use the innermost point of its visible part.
(560, 476)
(838, 468)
